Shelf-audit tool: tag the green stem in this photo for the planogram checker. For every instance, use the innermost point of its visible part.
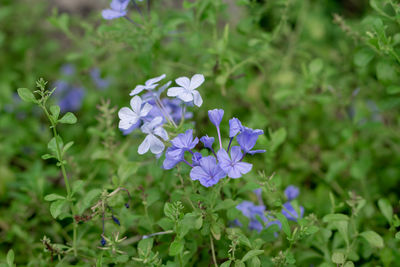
(213, 251)
(66, 181)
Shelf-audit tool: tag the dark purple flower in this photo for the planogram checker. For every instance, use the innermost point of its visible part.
(196, 159)
(215, 116)
(115, 219)
(235, 126)
(208, 173)
(291, 192)
(233, 165)
(290, 213)
(247, 140)
(207, 141)
(103, 241)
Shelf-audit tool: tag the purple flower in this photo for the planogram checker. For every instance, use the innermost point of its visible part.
(233, 165)
(196, 159)
(185, 141)
(71, 98)
(207, 141)
(149, 85)
(247, 140)
(252, 212)
(291, 192)
(115, 219)
(258, 192)
(215, 116)
(290, 213)
(118, 9)
(173, 156)
(68, 69)
(96, 77)
(208, 173)
(235, 126)
(103, 241)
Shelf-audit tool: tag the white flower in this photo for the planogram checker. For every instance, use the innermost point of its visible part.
(149, 85)
(128, 116)
(186, 91)
(151, 141)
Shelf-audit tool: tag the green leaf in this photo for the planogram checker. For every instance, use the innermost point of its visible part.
(10, 258)
(169, 211)
(176, 247)
(224, 205)
(373, 238)
(385, 72)
(56, 208)
(251, 254)
(26, 95)
(146, 245)
(386, 209)
(47, 156)
(226, 264)
(285, 224)
(349, 264)
(68, 118)
(244, 240)
(397, 235)
(55, 111)
(52, 145)
(77, 186)
(52, 197)
(363, 57)
(335, 217)
(342, 227)
(277, 138)
(67, 146)
(88, 199)
(338, 258)
(393, 89)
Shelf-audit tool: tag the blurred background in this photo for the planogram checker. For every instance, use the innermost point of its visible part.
(319, 77)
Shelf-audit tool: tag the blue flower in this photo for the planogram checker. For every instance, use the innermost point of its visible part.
(115, 219)
(235, 126)
(207, 141)
(233, 165)
(292, 192)
(290, 213)
(129, 117)
(184, 141)
(103, 241)
(247, 140)
(208, 173)
(96, 77)
(173, 156)
(252, 212)
(153, 130)
(118, 9)
(149, 85)
(215, 116)
(187, 89)
(196, 159)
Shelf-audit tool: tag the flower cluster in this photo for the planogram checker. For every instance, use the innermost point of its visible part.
(118, 9)
(150, 112)
(258, 213)
(226, 162)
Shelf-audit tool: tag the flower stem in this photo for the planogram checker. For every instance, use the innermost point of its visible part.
(219, 138)
(229, 146)
(213, 251)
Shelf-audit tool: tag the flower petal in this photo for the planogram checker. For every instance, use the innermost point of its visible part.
(112, 14)
(196, 81)
(175, 91)
(236, 154)
(198, 173)
(145, 145)
(184, 82)
(161, 132)
(119, 5)
(136, 104)
(198, 101)
(145, 110)
(154, 80)
(156, 145)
